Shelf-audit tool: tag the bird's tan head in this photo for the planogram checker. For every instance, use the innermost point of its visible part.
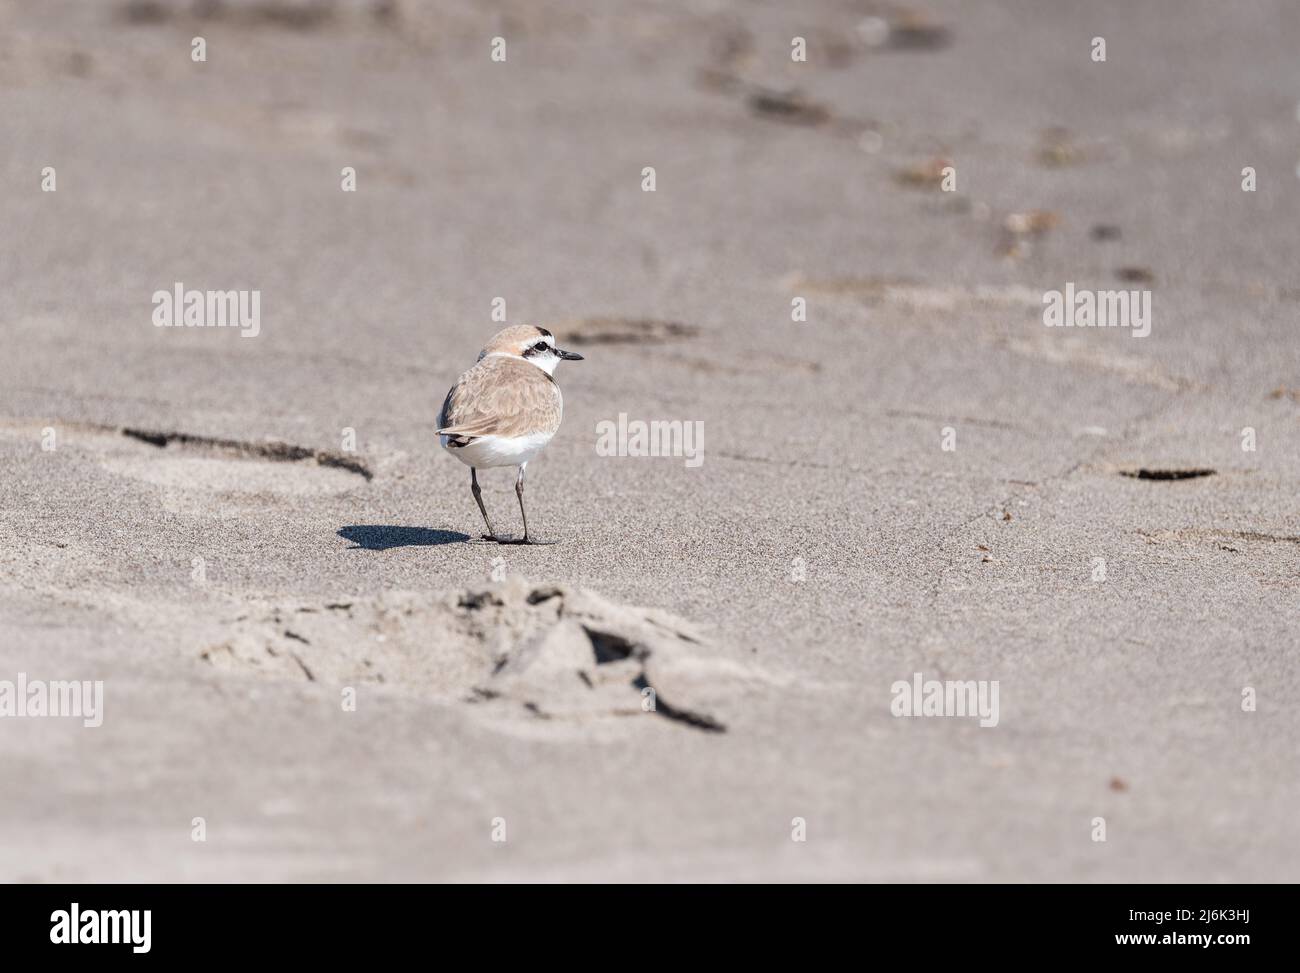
(533, 345)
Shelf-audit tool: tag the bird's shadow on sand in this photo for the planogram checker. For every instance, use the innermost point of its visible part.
(377, 537)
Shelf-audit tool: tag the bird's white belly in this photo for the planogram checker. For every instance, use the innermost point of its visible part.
(499, 450)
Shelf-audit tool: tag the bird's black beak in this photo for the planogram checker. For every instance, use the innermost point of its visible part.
(568, 355)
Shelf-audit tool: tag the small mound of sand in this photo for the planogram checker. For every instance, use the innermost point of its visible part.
(519, 650)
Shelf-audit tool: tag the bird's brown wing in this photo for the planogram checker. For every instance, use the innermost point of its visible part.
(501, 397)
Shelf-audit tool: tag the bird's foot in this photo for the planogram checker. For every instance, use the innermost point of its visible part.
(527, 540)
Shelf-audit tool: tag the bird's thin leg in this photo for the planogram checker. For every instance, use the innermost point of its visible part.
(478, 498)
(519, 492)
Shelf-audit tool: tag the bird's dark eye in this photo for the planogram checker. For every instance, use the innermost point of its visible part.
(540, 346)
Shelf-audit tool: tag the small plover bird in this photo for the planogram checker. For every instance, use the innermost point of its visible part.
(505, 409)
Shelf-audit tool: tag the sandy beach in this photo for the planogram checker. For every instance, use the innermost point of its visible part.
(312, 667)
